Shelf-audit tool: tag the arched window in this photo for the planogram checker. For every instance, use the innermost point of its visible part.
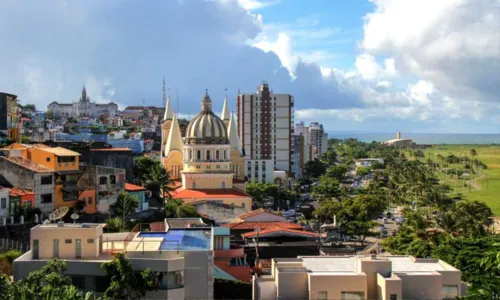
(217, 154)
(208, 154)
(198, 155)
(194, 185)
(112, 179)
(223, 185)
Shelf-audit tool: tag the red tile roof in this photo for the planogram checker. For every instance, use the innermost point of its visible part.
(264, 232)
(28, 164)
(181, 193)
(112, 149)
(262, 225)
(19, 192)
(256, 212)
(134, 188)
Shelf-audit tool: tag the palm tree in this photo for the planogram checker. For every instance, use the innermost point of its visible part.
(473, 152)
(175, 208)
(162, 179)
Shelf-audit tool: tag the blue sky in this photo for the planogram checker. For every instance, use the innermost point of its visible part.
(358, 65)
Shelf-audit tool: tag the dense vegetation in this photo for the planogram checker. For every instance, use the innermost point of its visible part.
(438, 224)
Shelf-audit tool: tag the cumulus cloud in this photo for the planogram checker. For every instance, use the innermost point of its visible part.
(122, 49)
(453, 44)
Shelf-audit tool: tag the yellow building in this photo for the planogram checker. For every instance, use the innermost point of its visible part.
(208, 160)
(64, 163)
(9, 119)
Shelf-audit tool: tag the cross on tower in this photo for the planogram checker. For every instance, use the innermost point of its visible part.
(206, 91)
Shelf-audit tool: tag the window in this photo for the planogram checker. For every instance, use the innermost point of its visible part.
(243, 205)
(3, 203)
(190, 154)
(66, 159)
(194, 185)
(103, 180)
(217, 166)
(90, 200)
(68, 241)
(393, 297)
(46, 180)
(450, 291)
(209, 166)
(208, 154)
(197, 166)
(223, 185)
(352, 296)
(170, 280)
(112, 179)
(322, 295)
(198, 155)
(78, 282)
(47, 159)
(90, 241)
(36, 249)
(55, 245)
(46, 198)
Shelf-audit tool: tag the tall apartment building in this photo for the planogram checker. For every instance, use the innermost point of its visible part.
(359, 277)
(9, 121)
(297, 155)
(318, 138)
(307, 150)
(265, 126)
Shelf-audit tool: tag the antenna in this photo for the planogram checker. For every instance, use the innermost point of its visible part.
(75, 217)
(58, 213)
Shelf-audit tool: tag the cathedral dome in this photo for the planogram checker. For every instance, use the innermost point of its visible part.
(206, 127)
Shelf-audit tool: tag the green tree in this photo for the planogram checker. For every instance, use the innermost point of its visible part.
(49, 114)
(314, 169)
(261, 191)
(175, 208)
(362, 171)
(125, 205)
(162, 179)
(142, 169)
(338, 172)
(327, 188)
(7, 259)
(125, 282)
(48, 282)
(473, 152)
(116, 224)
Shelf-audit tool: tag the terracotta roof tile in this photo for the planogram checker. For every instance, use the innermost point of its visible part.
(257, 212)
(181, 193)
(13, 192)
(264, 232)
(28, 164)
(262, 225)
(134, 188)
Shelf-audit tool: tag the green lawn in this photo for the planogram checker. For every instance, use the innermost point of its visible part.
(488, 184)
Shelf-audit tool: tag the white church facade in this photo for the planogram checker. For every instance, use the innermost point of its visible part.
(83, 108)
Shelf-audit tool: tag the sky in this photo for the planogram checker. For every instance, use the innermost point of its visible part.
(421, 66)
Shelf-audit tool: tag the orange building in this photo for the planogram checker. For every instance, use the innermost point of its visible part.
(26, 196)
(64, 163)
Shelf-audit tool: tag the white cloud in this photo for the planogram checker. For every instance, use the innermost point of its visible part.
(452, 43)
(255, 5)
(282, 47)
(368, 67)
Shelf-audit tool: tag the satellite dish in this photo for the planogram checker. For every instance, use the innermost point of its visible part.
(46, 221)
(59, 213)
(75, 217)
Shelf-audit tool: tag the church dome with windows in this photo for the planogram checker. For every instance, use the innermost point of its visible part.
(206, 127)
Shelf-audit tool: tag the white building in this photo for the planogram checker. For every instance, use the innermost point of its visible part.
(260, 170)
(307, 151)
(82, 108)
(318, 138)
(265, 125)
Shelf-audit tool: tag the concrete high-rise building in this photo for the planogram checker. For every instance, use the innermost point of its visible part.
(9, 121)
(265, 126)
(307, 149)
(318, 138)
(297, 155)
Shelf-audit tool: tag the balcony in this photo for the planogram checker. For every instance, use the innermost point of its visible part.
(234, 251)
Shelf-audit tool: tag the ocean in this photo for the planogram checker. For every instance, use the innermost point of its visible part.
(422, 138)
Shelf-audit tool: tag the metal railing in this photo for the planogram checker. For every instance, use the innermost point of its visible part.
(8, 244)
